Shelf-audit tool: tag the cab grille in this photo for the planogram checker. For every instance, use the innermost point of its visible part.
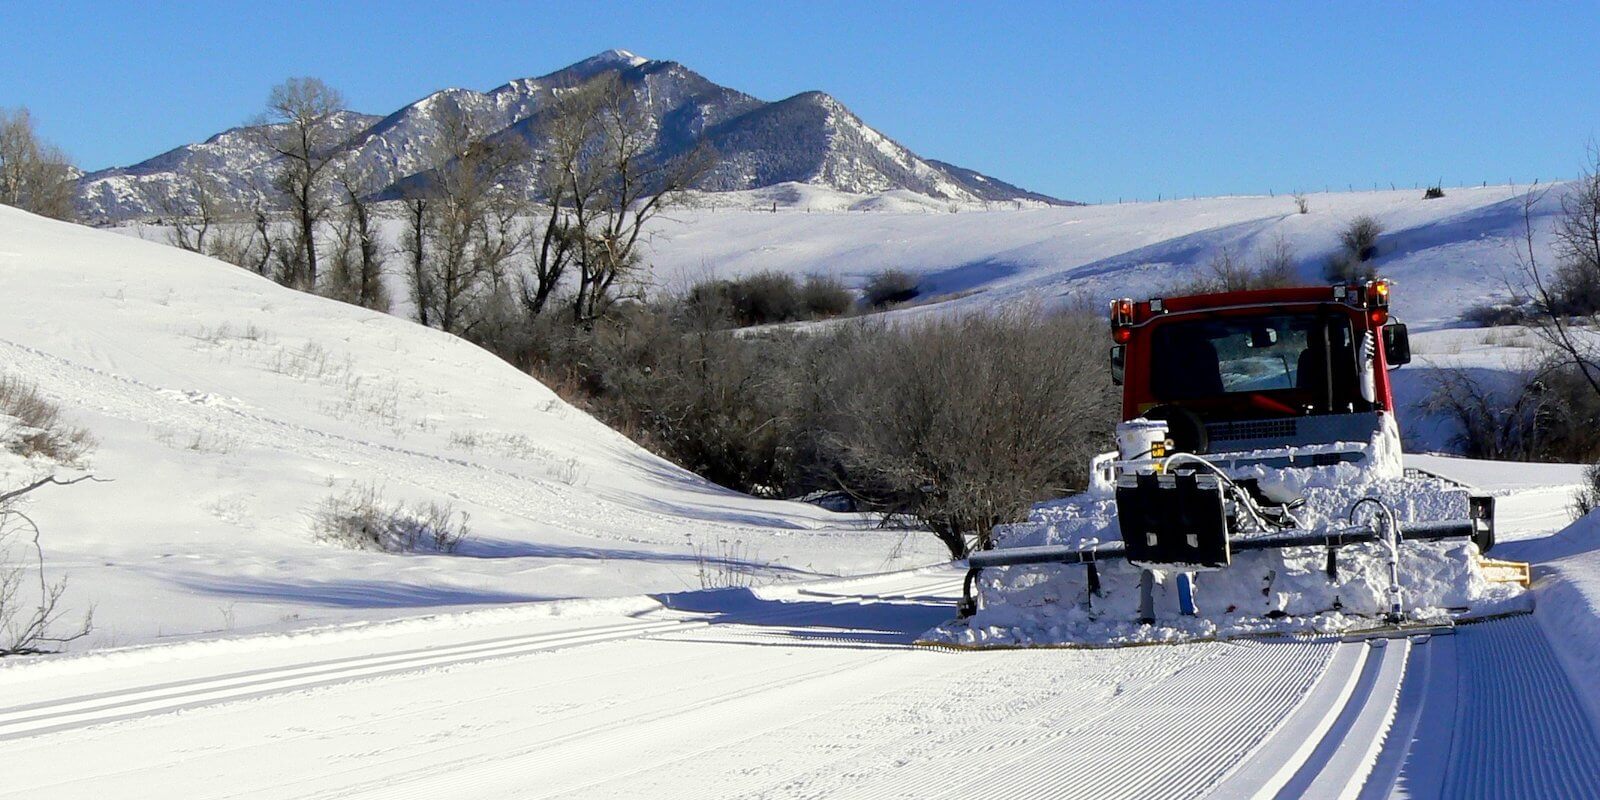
(1253, 429)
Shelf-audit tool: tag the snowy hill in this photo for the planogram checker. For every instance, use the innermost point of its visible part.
(228, 408)
(1447, 254)
(810, 138)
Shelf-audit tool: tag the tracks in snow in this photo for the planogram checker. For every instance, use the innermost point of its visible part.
(95, 709)
(1485, 713)
(31, 719)
(1501, 719)
(819, 696)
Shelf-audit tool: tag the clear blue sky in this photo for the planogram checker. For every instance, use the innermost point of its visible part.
(1087, 101)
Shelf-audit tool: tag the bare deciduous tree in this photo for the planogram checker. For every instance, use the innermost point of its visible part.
(603, 184)
(1576, 243)
(300, 129)
(414, 247)
(1550, 409)
(357, 264)
(35, 175)
(30, 605)
(463, 226)
(195, 210)
(1564, 326)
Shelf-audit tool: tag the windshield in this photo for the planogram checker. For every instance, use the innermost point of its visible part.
(1229, 355)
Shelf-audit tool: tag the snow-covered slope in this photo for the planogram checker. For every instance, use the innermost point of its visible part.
(228, 408)
(1447, 254)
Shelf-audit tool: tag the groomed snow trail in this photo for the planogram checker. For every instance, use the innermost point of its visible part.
(805, 693)
(1498, 718)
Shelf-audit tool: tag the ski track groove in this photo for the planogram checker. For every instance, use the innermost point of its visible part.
(539, 752)
(151, 701)
(68, 713)
(1423, 671)
(404, 714)
(1343, 759)
(458, 777)
(1520, 729)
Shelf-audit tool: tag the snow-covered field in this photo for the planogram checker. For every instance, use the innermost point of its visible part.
(1446, 254)
(228, 408)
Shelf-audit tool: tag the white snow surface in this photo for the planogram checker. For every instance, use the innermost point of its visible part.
(228, 408)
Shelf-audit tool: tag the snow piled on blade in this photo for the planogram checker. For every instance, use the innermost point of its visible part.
(1274, 591)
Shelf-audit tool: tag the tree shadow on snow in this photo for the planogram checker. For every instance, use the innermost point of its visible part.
(800, 622)
(504, 548)
(345, 593)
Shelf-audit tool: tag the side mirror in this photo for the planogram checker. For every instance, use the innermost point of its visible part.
(1396, 344)
(1119, 363)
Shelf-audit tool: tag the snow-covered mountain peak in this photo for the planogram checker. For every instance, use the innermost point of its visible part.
(809, 138)
(616, 56)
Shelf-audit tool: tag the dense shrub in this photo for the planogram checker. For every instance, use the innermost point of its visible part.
(769, 297)
(1358, 246)
(961, 423)
(1227, 271)
(889, 287)
(360, 519)
(1543, 412)
(31, 425)
(825, 296)
(1495, 315)
(764, 298)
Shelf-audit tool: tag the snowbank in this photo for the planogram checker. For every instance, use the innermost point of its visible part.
(1567, 584)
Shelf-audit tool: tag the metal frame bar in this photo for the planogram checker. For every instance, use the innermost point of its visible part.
(1061, 554)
